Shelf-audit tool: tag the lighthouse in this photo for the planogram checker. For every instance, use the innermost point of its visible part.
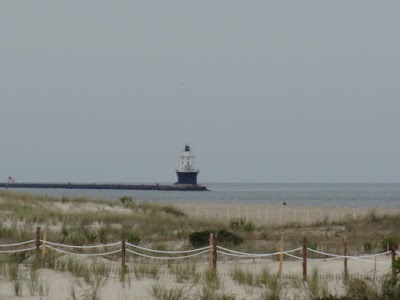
(187, 173)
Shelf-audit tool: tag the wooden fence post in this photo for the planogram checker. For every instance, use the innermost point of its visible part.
(304, 259)
(210, 254)
(282, 247)
(393, 249)
(123, 253)
(44, 244)
(37, 242)
(214, 247)
(346, 272)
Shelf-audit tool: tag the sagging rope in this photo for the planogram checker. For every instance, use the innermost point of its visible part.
(166, 257)
(17, 250)
(348, 256)
(84, 254)
(17, 244)
(168, 252)
(80, 247)
(254, 255)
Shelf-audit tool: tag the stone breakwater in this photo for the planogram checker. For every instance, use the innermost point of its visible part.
(105, 186)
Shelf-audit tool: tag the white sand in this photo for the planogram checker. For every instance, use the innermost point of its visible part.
(58, 285)
(278, 214)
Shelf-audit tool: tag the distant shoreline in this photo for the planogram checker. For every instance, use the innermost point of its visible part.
(327, 195)
(105, 186)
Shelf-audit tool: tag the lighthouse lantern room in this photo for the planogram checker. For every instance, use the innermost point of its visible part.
(187, 173)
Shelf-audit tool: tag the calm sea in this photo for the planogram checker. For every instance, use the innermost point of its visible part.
(329, 194)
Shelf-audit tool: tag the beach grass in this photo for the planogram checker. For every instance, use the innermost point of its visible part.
(80, 221)
(89, 221)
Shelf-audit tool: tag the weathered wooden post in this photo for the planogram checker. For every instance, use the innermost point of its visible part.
(210, 254)
(304, 259)
(123, 253)
(214, 246)
(393, 249)
(37, 242)
(346, 272)
(44, 244)
(281, 247)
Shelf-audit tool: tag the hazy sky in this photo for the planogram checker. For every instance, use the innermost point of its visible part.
(263, 91)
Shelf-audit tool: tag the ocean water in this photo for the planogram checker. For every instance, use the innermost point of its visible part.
(326, 194)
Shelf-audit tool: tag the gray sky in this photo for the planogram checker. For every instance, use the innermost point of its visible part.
(263, 91)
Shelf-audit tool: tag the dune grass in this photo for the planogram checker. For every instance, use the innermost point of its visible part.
(162, 292)
(185, 272)
(80, 221)
(89, 221)
(102, 221)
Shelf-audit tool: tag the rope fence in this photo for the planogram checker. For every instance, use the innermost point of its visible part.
(167, 257)
(80, 247)
(83, 254)
(213, 251)
(17, 250)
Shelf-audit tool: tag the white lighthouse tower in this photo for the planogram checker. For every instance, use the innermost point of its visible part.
(187, 173)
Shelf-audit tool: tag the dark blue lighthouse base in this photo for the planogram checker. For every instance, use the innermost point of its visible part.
(187, 177)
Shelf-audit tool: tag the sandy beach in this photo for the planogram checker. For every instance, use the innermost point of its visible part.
(60, 284)
(63, 285)
(278, 214)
